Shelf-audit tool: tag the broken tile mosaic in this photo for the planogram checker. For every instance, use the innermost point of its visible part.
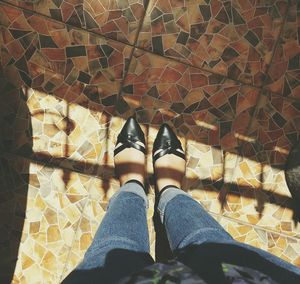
(232, 38)
(67, 84)
(41, 207)
(54, 58)
(117, 19)
(284, 73)
(258, 193)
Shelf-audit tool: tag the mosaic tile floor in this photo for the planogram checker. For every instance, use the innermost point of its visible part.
(224, 74)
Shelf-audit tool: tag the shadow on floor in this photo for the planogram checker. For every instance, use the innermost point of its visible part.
(15, 181)
(14, 175)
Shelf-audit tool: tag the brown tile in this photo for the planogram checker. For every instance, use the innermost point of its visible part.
(60, 93)
(194, 101)
(53, 58)
(284, 73)
(275, 128)
(233, 38)
(208, 111)
(117, 19)
(257, 192)
(160, 90)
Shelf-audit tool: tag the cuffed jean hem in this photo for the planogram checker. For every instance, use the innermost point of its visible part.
(167, 196)
(133, 188)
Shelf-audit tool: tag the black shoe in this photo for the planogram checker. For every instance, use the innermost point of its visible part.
(292, 171)
(129, 135)
(167, 141)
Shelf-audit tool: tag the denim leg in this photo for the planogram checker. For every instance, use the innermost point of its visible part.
(124, 226)
(186, 222)
(188, 225)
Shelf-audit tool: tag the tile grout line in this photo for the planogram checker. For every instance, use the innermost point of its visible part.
(290, 99)
(61, 22)
(197, 67)
(264, 83)
(151, 52)
(75, 233)
(60, 275)
(266, 72)
(130, 44)
(87, 198)
(241, 144)
(265, 92)
(141, 22)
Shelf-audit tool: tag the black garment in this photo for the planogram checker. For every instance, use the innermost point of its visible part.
(208, 263)
(177, 272)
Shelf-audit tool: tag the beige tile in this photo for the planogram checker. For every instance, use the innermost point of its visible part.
(259, 195)
(41, 210)
(285, 247)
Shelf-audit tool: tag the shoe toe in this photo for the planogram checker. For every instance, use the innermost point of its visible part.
(167, 132)
(133, 129)
(165, 137)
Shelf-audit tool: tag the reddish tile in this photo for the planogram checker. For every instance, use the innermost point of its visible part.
(257, 192)
(208, 113)
(115, 19)
(275, 128)
(284, 73)
(51, 57)
(233, 38)
(195, 101)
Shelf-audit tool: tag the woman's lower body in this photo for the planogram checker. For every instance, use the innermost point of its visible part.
(121, 244)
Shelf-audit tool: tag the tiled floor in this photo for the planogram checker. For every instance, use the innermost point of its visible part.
(224, 74)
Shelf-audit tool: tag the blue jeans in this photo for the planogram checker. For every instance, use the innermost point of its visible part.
(121, 244)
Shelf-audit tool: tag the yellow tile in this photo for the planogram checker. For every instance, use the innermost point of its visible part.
(85, 241)
(282, 246)
(26, 261)
(53, 234)
(49, 261)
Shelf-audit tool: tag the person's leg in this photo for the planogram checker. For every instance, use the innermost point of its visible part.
(188, 224)
(193, 234)
(194, 224)
(200, 240)
(124, 226)
(121, 244)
